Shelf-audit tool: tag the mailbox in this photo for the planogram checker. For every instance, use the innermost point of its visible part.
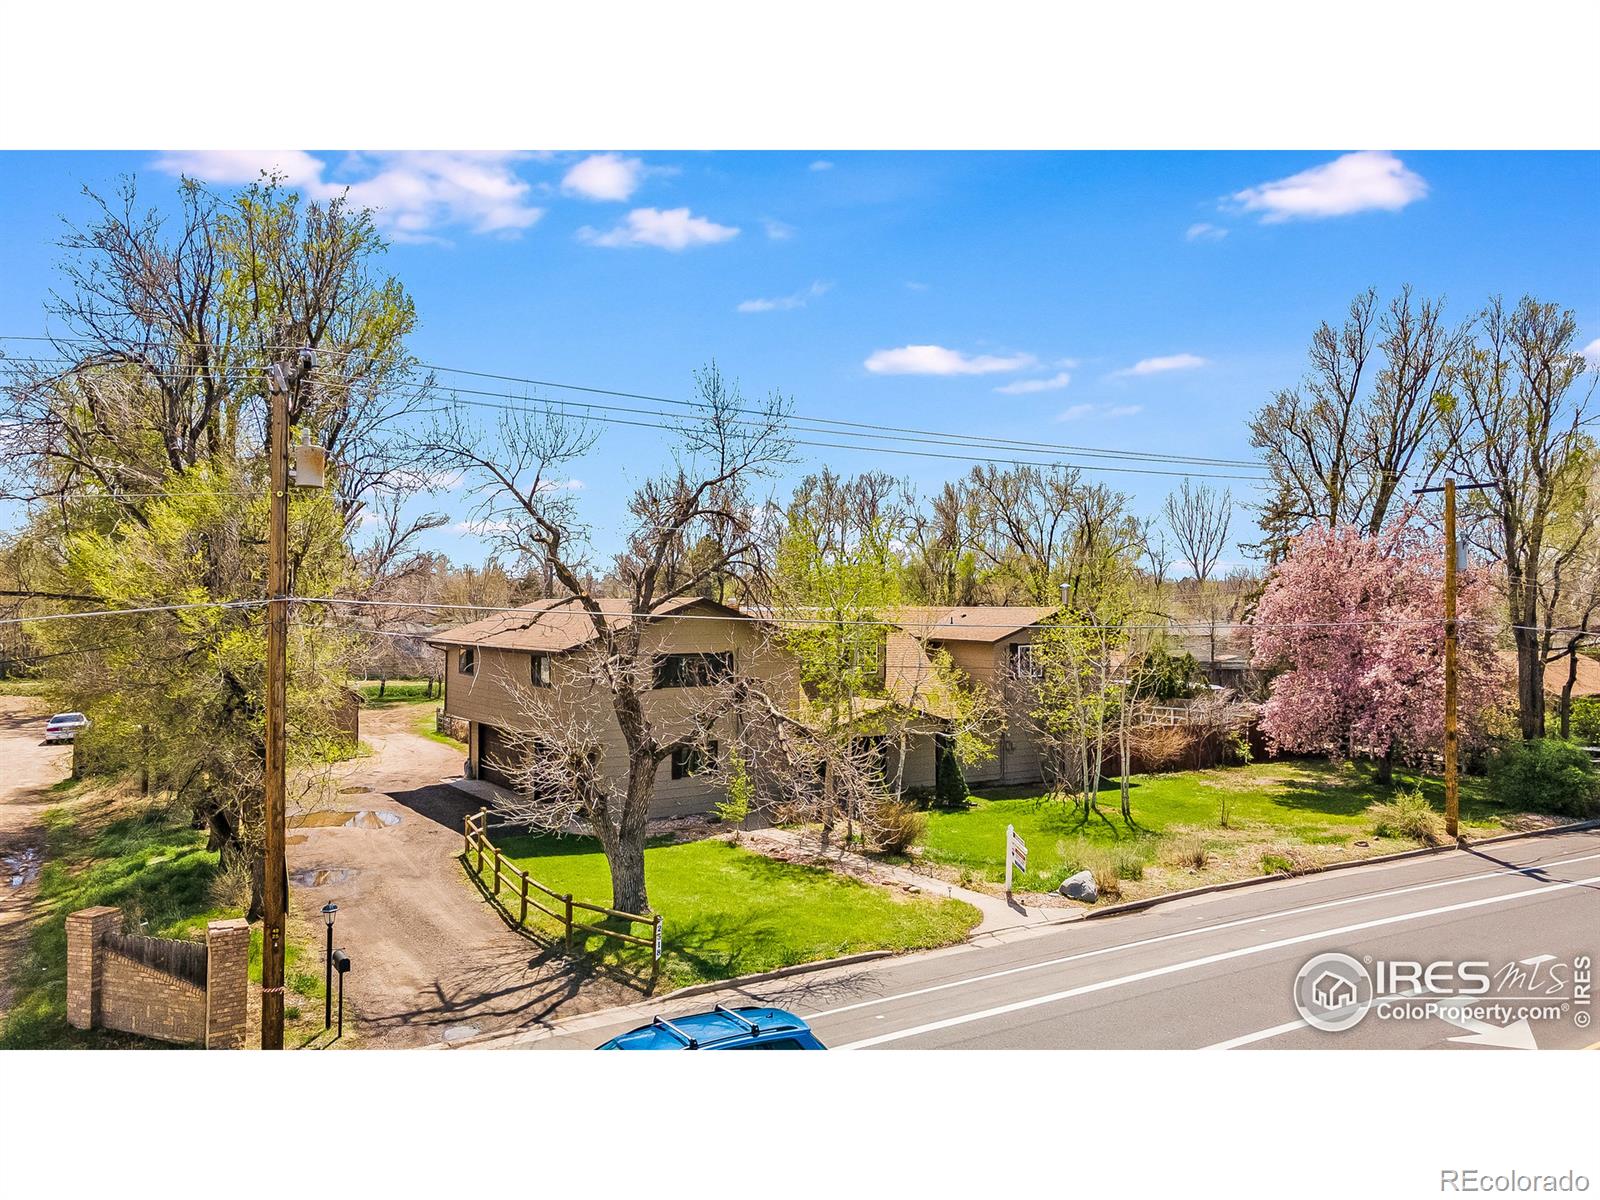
(341, 961)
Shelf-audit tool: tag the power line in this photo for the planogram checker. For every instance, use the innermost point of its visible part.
(832, 426)
(571, 606)
(130, 612)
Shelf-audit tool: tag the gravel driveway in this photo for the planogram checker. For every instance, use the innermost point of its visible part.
(431, 960)
(30, 767)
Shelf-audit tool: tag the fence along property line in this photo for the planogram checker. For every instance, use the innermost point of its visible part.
(475, 830)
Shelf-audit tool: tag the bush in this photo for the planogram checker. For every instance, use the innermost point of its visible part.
(1189, 851)
(1545, 775)
(893, 826)
(1111, 867)
(1585, 724)
(1408, 815)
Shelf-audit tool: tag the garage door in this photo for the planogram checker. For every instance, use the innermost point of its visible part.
(496, 758)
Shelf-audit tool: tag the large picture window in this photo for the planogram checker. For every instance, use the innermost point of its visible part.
(693, 670)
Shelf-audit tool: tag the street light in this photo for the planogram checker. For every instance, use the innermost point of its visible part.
(328, 910)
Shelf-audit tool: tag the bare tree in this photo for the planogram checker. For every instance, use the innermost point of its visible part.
(1364, 418)
(1199, 518)
(517, 471)
(1519, 421)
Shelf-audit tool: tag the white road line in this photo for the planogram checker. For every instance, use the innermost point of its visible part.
(1261, 1035)
(1195, 932)
(1223, 956)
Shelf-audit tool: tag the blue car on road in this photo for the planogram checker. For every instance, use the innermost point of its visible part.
(742, 1028)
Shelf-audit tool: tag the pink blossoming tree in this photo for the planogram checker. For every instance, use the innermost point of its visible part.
(1358, 623)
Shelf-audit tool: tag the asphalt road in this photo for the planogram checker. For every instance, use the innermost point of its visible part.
(1214, 972)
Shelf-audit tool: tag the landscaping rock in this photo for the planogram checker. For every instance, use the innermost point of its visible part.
(1080, 887)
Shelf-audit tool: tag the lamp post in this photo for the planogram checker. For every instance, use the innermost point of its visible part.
(328, 911)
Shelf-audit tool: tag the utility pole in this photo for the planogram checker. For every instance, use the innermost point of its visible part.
(1452, 784)
(1452, 733)
(275, 898)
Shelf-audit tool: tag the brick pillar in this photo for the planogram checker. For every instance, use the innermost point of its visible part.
(227, 983)
(85, 928)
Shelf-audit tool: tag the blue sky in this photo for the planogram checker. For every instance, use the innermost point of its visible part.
(1144, 301)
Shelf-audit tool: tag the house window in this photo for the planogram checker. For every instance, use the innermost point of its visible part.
(467, 660)
(1024, 663)
(540, 670)
(693, 670)
(689, 761)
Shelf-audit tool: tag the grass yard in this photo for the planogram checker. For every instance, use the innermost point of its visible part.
(1281, 815)
(424, 725)
(728, 911)
(396, 692)
(145, 858)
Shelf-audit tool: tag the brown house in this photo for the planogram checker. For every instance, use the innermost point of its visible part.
(492, 665)
(988, 644)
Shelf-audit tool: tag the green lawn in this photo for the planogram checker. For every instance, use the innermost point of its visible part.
(397, 691)
(1311, 804)
(149, 861)
(728, 911)
(425, 726)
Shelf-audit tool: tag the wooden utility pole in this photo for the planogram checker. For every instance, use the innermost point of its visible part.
(1452, 784)
(275, 889)
(1452, 734)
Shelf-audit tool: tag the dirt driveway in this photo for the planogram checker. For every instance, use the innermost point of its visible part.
(430, 959)
(29, 769)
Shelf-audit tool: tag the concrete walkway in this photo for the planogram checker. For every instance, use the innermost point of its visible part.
(997, 914)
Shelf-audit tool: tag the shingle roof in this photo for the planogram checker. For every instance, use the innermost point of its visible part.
(972, 623)
(553, 625)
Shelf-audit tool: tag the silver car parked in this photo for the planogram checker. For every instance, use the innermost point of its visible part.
(63, 727)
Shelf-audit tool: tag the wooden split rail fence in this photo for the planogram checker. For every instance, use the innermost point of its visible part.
(528, 893)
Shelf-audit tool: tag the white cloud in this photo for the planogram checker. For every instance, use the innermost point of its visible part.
(778, 231)
(1025, 387)
(603, 177)
(1591, 353)
(783, 303)
(1161, 363)
(822, 164)
(937, 360)
(915, 286)
(1110, 411)
(412, 193)
(1352, 183)
(670, 229)
(1204, 231)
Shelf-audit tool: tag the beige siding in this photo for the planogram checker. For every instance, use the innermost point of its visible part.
(1017, 758)
(497, 693)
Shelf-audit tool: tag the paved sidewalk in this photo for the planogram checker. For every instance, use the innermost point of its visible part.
(997, 914)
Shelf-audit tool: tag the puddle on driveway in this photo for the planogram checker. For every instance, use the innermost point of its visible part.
(373, 818)
(21, 867)
(366, 818)
(313, 877)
